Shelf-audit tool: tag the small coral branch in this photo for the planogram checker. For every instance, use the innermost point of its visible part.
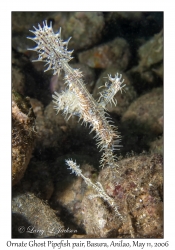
(97, 187)
(76, 100)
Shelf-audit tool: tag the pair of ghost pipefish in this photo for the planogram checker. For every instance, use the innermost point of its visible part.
(76, 100)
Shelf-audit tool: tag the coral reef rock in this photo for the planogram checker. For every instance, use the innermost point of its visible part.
(23, 135)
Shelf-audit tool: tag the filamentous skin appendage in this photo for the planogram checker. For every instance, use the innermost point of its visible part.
(76, 100)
